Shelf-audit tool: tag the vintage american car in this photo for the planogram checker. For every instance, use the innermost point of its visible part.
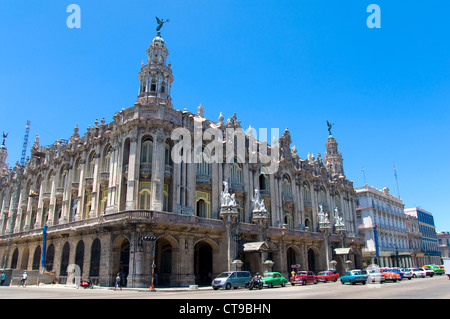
(390, 274)
(271, 279)
(328, 275)
(428, 271)
(437, 270)
(354, 276)
(303, 277)
(407, 273)
(374, 276)
(418, 272)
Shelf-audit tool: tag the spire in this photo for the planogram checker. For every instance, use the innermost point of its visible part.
(333, 159)
(155, 78)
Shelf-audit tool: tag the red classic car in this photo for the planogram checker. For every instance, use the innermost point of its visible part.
(329, 275)
(390, 275)
(304, 277)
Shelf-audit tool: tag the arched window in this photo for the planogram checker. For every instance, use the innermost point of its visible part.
(263, 180)
(147, 151)
(322, 196)
(306, 193)
(62, 176)
(163, 87)
(203, 204)
(153, 86)
(144, 195)
(50, 178)
(107, 159)
(91, 165)
(201, 208)
(286, 183)
(337, 200)
(203, 165)
(167, 150)
(236, 172)
(87, 206)
(76, 173)
(308, 221)
(288, 220)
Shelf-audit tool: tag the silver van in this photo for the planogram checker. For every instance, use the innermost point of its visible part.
(230, 279)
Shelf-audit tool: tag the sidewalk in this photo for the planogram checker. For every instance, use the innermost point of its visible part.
(141, 289)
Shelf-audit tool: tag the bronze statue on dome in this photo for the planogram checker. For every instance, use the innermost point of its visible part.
(329, 127)
(160, 24)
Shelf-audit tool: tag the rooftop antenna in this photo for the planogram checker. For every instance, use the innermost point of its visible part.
(364, 174)
(396, 181)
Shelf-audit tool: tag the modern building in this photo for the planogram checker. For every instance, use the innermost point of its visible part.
(427, 229)
(148, 172)
(384, 224)
(443, 238)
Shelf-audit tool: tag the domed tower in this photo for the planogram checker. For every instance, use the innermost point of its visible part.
(155, 78)
(333, 159)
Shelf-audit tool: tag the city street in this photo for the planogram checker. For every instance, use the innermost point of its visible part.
(437, 287)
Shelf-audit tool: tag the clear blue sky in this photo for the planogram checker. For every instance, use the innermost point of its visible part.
(293, 64)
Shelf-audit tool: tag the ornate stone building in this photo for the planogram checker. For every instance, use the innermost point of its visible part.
(99, 193)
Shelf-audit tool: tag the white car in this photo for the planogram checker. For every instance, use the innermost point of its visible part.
(417, 273)
(374, 275)
(407, 273)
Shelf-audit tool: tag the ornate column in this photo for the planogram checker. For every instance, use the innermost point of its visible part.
(132, 176)
(158, 167)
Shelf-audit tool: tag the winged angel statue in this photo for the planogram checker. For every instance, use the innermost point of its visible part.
(160, 23)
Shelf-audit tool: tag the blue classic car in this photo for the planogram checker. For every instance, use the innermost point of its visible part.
(354, 276)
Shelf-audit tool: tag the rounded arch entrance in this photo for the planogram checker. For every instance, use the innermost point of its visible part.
(165, 255)
(204, 251)
(313, 259)
(292, 257)
(121, 259)
(64, 262)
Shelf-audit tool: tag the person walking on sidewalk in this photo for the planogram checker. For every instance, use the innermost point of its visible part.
(118, 282)
(23, 279)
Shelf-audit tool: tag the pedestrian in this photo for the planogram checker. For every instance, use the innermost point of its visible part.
(118, 282)
(23, 279)
(2, 278)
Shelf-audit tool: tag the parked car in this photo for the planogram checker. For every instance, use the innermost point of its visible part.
(437, 270)
(418, 273)
(271, 279)
(390, 275)
(407, 273)
(354, 276)
(398, 271)
(304, 277)
(328, 275)
(230, 279)
(374, 276)
(428, 271)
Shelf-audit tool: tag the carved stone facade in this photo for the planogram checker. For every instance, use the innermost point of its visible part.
(101, 192)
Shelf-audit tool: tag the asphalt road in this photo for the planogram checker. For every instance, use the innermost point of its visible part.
(437, 287)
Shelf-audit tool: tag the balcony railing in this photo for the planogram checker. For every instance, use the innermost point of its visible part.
(161, 218)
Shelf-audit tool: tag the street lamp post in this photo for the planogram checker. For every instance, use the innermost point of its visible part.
(153, 239)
